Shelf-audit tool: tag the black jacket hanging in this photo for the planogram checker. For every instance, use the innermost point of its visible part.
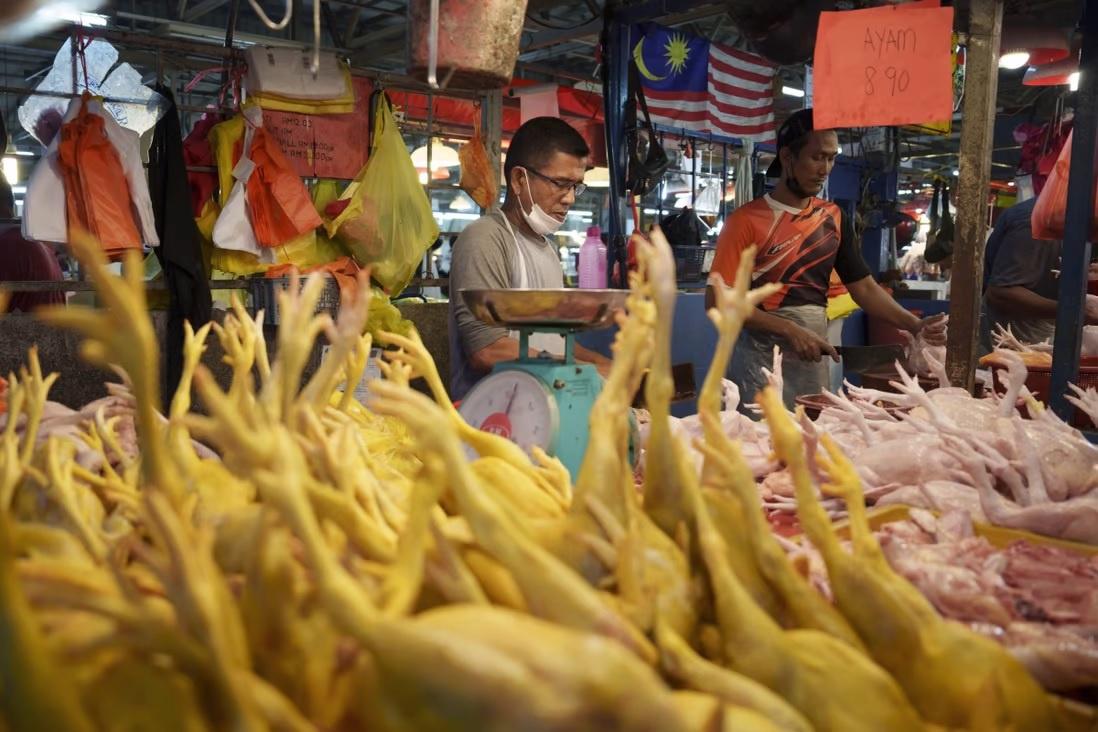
(180, 250)
(646, 159)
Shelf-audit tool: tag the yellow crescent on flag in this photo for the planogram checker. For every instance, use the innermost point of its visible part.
(638, 58)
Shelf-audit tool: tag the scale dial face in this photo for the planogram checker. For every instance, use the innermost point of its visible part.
(515, 405)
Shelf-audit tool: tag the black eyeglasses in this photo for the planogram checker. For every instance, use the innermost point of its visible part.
(562, 186)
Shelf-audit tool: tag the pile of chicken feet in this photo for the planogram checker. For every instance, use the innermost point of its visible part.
(335, 571)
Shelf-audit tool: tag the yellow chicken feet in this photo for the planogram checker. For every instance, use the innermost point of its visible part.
(122, 333)
(36, 695)
(682, 663)
(551, 589)
(789, 598)
(943, 666)
(817, 674)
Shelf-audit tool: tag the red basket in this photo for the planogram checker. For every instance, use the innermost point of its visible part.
(1040, 377)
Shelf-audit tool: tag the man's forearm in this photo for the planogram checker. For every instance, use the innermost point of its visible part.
(507, 349)
(504, 349)
(873, 299)
(760, 320)
(1020, 302)
(586, 355)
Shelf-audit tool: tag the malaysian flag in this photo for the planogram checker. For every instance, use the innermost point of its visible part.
(696, 85)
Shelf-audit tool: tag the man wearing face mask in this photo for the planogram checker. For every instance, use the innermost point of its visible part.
(800, 239)
(510, 248)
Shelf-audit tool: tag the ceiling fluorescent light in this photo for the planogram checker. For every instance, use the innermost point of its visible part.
(791, 91)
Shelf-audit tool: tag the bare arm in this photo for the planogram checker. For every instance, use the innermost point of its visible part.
(804, 343)
(1020, 302)
(507, 349)
(586, 355)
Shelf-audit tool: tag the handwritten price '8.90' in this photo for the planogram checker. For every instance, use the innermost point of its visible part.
(891, 81)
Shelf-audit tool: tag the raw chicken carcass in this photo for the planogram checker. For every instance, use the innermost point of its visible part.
(937, 495)
(1075, 519)
(906, 461)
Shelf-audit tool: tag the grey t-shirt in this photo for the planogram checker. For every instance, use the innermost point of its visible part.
(484, 256)
(1016, 259)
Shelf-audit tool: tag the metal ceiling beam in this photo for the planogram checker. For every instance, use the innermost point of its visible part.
(379, 35)
(202, 9)
(547, 38)
(555, 52)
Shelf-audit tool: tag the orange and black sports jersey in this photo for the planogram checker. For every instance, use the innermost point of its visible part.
(797, 251)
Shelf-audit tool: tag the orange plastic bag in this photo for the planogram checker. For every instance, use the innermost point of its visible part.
(279, 204)
(477, 178)
(1050, 210)
(97, 194)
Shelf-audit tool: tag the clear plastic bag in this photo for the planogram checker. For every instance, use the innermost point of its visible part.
(41, 115)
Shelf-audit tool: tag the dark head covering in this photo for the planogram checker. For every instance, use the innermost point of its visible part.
(796, 126)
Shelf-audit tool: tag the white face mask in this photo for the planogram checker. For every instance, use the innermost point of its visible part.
(542, 223)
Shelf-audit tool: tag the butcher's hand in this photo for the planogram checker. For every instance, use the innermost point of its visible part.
(933, 330)
(807, 345)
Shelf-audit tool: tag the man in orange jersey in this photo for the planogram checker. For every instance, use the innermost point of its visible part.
(800, 239)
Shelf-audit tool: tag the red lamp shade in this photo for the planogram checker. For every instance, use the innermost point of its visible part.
(1053, 74)
(1043, 44)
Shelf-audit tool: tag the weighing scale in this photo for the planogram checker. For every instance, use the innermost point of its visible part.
(543, 401)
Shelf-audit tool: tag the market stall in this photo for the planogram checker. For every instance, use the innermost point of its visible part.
(239, 489)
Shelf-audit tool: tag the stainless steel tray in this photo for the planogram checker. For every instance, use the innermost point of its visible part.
(573, 309)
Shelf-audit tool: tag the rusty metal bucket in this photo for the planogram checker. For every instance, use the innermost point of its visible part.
(466, 44)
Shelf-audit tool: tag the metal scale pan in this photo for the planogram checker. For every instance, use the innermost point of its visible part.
(546, 309)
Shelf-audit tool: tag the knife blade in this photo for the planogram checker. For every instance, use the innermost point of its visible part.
(682, 375)
(859, 359)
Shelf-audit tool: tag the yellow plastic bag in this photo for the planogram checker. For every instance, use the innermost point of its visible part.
(387, 224)
(223, 138)
(384, 317)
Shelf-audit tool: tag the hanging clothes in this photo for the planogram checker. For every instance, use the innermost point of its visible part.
(197, 153)
(180, 251)
(97, 198)
(94, 164)
(264, 203)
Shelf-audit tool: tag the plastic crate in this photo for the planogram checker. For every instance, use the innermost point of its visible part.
(1040, 377)
(265, 298)
(692, 263)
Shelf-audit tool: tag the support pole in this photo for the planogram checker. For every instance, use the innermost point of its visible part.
(615, 95)
(1076, 251)
(981, 86)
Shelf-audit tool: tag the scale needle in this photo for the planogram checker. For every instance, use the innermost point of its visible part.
(511, 400)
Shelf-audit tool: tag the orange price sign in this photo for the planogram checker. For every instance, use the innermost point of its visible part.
(883, 66)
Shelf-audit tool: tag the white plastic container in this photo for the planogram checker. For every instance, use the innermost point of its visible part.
(592, 261)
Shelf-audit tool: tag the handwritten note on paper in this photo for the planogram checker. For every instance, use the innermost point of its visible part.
(325, 145)
(883, 66)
